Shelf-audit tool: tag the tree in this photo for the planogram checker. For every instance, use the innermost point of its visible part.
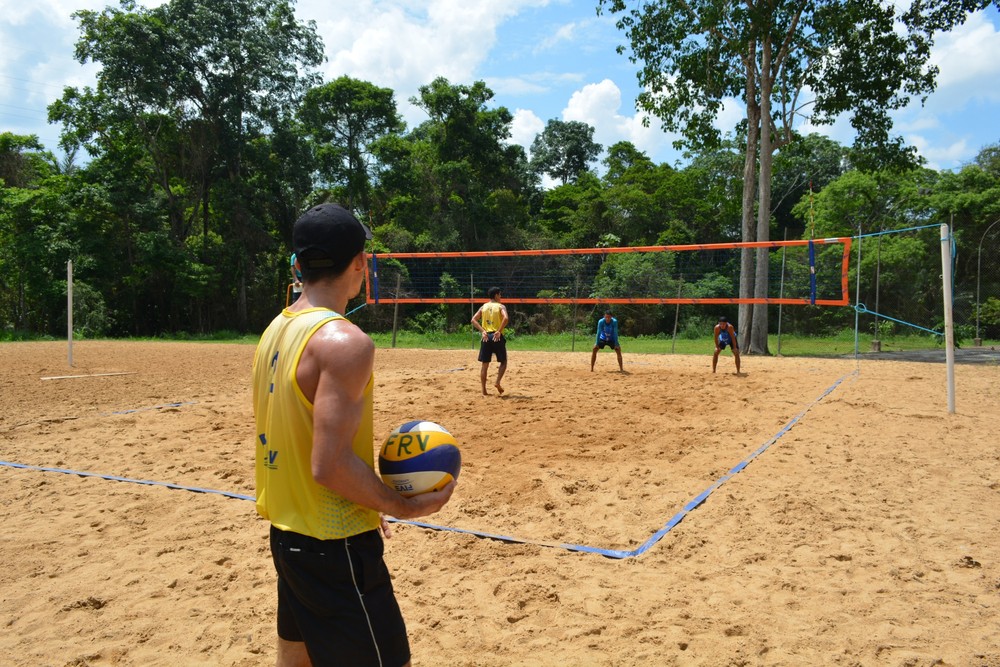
(806, 165)
(564, 149)
(454, 182)
(574, 215)
(345, 117)
(697, 53)
(899, 273)
(189, 86)
(24, 205)
(23, 160)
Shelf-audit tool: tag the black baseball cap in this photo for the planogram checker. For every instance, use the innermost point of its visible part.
(327, 236)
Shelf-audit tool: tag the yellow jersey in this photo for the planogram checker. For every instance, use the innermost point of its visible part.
(287, 494)
(492, 316)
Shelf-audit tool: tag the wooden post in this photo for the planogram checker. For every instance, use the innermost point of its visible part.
(395, 310)
(677, 314)
(69, 311)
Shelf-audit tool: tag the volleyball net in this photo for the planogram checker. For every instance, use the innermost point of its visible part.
(801, 272)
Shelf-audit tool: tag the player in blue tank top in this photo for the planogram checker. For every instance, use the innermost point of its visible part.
(725, 335)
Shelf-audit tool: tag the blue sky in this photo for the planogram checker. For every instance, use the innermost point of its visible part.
(543, 59)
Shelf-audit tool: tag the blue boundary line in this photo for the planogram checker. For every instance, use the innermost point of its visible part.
(676, 519)
(609, 553)
(115, 478)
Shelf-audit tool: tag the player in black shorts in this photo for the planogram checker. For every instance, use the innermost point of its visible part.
(725, 335)
(490, 320)
(313, 379)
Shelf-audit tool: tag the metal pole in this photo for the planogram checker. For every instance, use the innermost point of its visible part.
(395, 310)
(677, 314)
(979, 264)
(781, 292)
(876, 343)
(576, 306)
(949, 325)
(69, 311)
(878, 272)
(857, 293)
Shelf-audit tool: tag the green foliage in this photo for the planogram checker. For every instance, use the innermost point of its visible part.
(454, 182)
(634, 273)
(91, 318)
(989, 318)
(345, 117)
(186, 92)
(883, 330)
(432, 320)
(694, 58)
(573, 215)
(208, 133)
(23, 160)
(806, 165)
(564, 150)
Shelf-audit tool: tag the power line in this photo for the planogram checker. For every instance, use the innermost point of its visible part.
(11, 106)
(33, 82)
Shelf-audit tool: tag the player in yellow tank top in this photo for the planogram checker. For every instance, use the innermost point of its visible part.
(288, 495)
(316, 481)
(493, 315)
(490, 320)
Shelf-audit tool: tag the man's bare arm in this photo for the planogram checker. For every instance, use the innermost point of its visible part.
(340, 358)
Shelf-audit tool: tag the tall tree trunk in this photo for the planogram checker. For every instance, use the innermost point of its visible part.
(745, 316)
(758, 332)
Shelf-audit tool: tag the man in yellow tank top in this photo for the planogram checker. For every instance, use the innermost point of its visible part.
(316, 481)
(491, 319)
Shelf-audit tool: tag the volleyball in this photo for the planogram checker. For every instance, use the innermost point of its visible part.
(419, 457)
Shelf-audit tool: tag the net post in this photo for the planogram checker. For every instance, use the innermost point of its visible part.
(857, 298)
(781, 292)
(576, 307)
(69, 312)
(677, 313)
(395, 309)
(472, 307)
(949, 326)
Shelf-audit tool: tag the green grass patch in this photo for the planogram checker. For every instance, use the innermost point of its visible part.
(791, 346)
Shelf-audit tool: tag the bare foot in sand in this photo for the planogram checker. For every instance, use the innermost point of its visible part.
(499, 388)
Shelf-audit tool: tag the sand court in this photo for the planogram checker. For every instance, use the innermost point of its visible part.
(862, 532)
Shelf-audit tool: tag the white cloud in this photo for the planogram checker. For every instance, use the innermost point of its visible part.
(958, 118)
(733, 111)
(942, 156)
(514, 86)
(36, 62)
(403, 45)
(598, 105)
(525, 127)
(969, 62)
(921, 123)
(564, 33)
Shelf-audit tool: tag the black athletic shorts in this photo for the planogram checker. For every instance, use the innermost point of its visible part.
(337, 597)
(609, 343)
(489, 347)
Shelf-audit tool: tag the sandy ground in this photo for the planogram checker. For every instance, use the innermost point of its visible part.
(863, 534)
